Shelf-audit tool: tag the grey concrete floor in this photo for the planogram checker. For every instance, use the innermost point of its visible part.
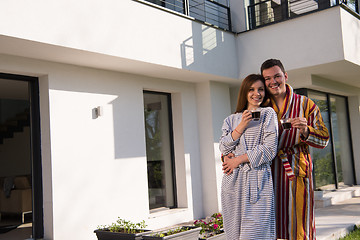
(337, 220)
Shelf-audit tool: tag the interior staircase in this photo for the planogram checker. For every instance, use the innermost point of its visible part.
(13, 125)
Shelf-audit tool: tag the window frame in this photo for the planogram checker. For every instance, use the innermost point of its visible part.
(171, 141)
(305, 91)
(35, 151)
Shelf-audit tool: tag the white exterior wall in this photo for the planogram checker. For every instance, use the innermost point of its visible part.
(220, 101)
(94, 169)
(213, 106)
(125, 29)
(299, 42)
(208, 171)
(239, 18)
(351, 37)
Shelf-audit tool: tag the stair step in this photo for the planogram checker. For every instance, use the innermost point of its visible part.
(320, 200)
(7, 134)
(15, 124)
(328, 198)
(22, 116)
(11, 123)
(25, 122)
(16, 129)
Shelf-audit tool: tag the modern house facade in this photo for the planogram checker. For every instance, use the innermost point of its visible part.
(125, 101)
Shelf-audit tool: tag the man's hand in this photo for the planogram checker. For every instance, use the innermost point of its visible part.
(301, 124)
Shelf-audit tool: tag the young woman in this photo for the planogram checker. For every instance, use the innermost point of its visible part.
(247, 195)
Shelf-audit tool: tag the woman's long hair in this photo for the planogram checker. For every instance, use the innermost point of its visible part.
(244, 90)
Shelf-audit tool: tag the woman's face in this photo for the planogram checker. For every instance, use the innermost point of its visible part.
(255, 94)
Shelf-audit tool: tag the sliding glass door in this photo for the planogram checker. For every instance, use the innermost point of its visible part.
(323, 159)
(342, 141)
(333, 165)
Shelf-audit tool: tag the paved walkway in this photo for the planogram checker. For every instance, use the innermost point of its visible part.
(337, 220)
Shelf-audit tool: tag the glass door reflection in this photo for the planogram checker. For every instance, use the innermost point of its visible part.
(323, 158)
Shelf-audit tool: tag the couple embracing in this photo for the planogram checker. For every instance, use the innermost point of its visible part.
(267, 189)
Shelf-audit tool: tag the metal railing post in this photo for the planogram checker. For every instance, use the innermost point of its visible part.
(229, 19)
(186, 7)
(285, 9)
(251, 12)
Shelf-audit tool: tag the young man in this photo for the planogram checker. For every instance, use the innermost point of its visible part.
(292, 168)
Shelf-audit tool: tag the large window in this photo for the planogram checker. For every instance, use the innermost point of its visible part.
(263, 12)
(352, 4)
(333, 166)
(159, 150)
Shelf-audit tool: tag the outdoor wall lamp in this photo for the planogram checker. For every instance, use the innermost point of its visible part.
(97, 112)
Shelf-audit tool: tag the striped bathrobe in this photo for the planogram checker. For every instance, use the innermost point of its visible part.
(247, 195)
(292, 168)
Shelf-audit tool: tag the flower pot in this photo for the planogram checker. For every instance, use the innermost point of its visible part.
(107, 235)
(220, 236)
(191, 234)
(211, 227)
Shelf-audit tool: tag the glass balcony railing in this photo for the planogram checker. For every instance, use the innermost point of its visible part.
(270, 11)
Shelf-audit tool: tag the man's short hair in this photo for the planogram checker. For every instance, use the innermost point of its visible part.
(271, 63)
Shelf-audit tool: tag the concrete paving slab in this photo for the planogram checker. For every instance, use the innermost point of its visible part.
(337, 220)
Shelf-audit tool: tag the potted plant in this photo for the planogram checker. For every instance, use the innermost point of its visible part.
(179, 233)
(121, 229)
(211, 228)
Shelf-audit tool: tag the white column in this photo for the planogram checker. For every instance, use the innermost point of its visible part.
(213, 102)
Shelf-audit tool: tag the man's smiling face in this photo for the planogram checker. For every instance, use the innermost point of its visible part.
(275, 81)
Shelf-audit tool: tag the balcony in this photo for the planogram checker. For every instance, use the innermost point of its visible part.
(212, 12)
(266, 12)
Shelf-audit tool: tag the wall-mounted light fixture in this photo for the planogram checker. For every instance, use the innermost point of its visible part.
(97, 112)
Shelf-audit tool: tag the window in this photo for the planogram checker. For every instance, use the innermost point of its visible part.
(323, 158)
(159, 150)
(333, 166)
(352, 4)
(263, 12)
(342, 140)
